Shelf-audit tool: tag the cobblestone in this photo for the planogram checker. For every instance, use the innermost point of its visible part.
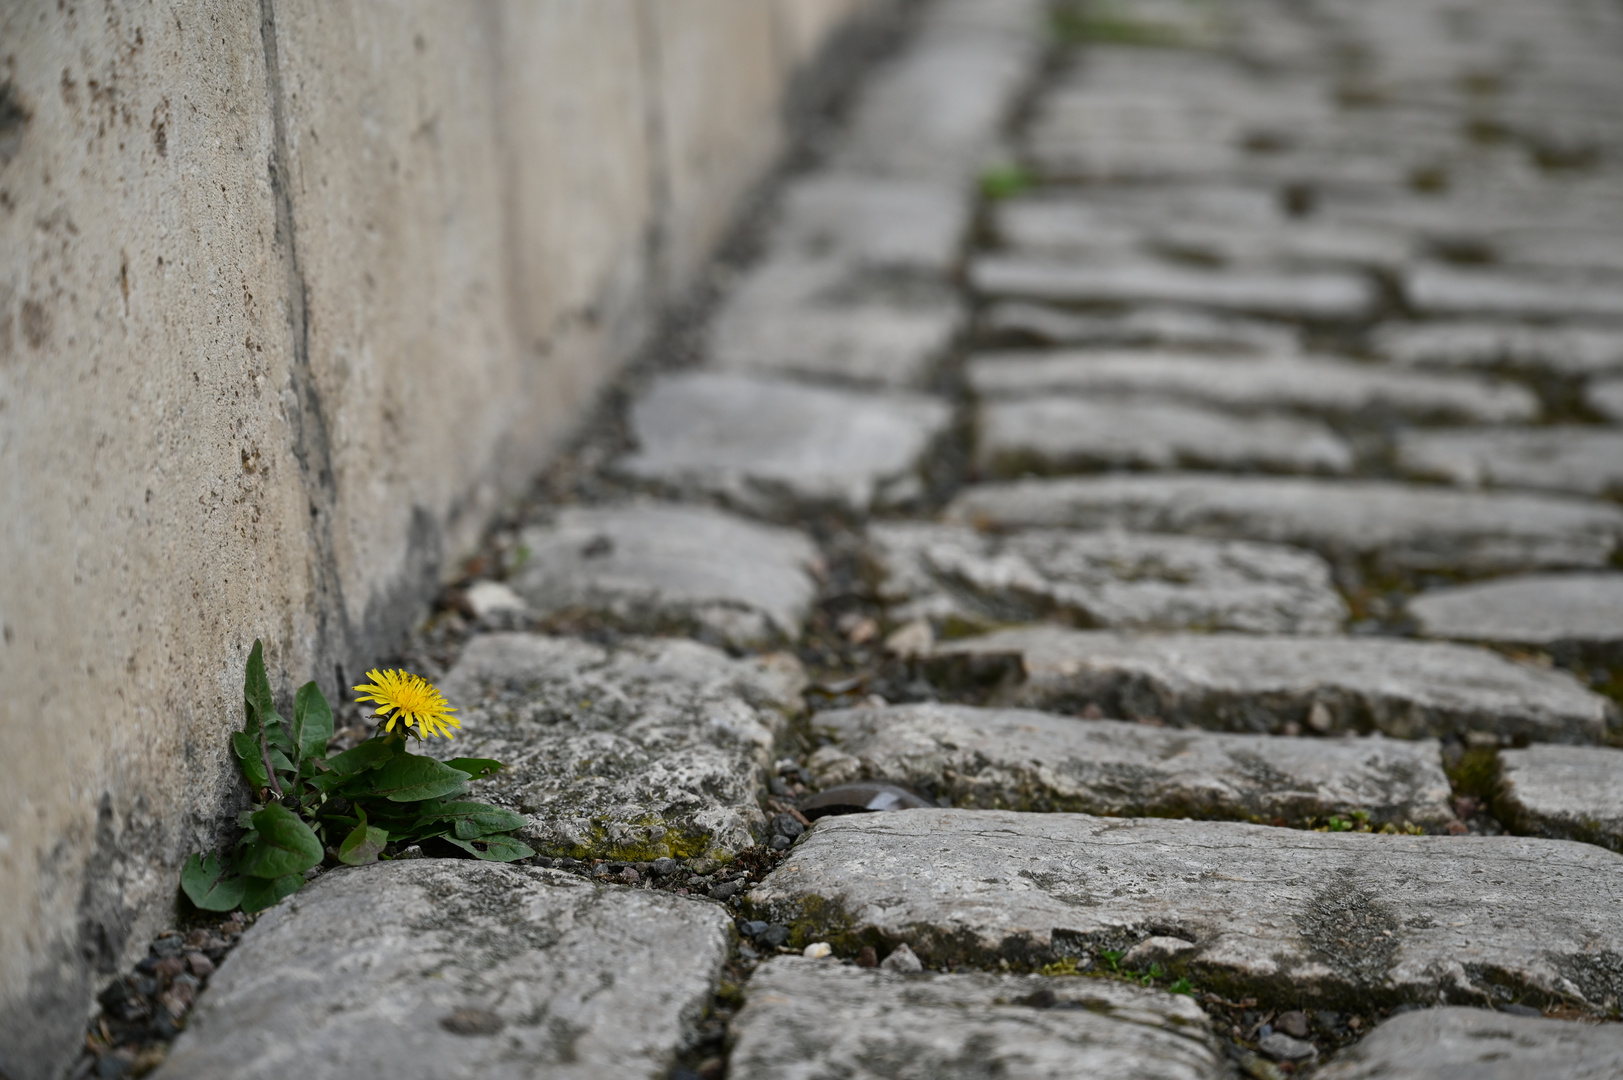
(1574, 351)
(889, 224)
(1020, 759)
(1566, 792)
(1237, 682)
(1028, 324)
(1585, 460)
(1434, 1044)
(1436, 290)
(1536, 609)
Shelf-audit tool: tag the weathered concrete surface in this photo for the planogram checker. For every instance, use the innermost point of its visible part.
(765, 443)
(1605, 396)
(816, 1018)
(1058, 434)
(1535, 609)
(1170, 327)
(1292, 918)
(1566, 792)
(1586, 460)
(1334, 386)
(651, 565)
(1019, 759)
(1442, 290)
(1453, 1043)
(1398, 526)
(1240, 682)
(1563, 350)
(357, 975)
(656, 747)
(954, 575)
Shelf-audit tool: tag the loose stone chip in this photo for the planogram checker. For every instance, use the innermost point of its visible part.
(1018, 759)
(1328, 920)
(1440, 1044)
(652, 748)
(804, 1018)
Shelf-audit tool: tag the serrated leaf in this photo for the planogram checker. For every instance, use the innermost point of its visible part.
(495, 849)
(476, 767)
(410, 777)
(206, 884)
(363, 845)
(246, 747)
(285, 845)
(260, 893)
(312, 721)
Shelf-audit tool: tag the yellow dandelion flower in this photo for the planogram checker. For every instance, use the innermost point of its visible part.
(410, 699)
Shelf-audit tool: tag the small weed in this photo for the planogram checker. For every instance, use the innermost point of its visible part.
(1005, 181)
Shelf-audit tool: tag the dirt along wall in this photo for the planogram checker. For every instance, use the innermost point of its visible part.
(292, 294)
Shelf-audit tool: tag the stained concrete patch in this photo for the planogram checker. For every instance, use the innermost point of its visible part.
(1585, 460)
(1293, 918)
(1441, 290)
(957, 577)
(682, 568)
(1566, 792)
(1019, 759)
(1562, 350)
(442, 968)
(1455, 1043)
(1400, 527)
(771, 444)
(1328, 295)
(1584, 610)
(1252, 384)
(1061, 433)
(655, 747)
(1257, 683)
(1026, 324)
(817, 1018)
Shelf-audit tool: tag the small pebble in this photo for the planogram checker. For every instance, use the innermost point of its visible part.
(753, 928)
(1293, 1023)
(818, 950)
(629, 876)
(774, 936)
(201, 965)
(780, 843)
(1282, 1047)
(867, 958)
(665, 867)
(903, 959)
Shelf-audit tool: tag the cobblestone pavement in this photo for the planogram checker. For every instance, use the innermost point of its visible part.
(1173, 445)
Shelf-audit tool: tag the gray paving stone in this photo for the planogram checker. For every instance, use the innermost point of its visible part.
(825, 320)
(1563, 350)
(895, 224)
(1057, 434)
(1456, 1043)
(1165, 326)
(1586, 460)
(655, 747)
(815, 1018)
(769, 444)
(957, 577)
(1400, 527)
(1019, 759)
(673, 567)
(1250, 383)
(1564, 792)
(1306, 295)
(1293, 918)
(357, 976)
(1605, 396)
(1535, 609)
(1256, 683)
(1442, 290)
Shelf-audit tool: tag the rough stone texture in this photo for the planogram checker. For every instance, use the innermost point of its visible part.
(1307, 295)
(1335, 386)
(1237, 682)
(956, 576)
(1293, 918)
(1565, 792)
(1586, 460)
(915, 224)
(1455, 1043)
(822, 319)
(1440, 290)
(656, 747)
(816, 1019)
(1398, 526)
(354, 976)
(1057, 434)
(1605, 396)
(1564, 350)
(1537, 609)
(649, 565)
(1018, 759)
(764, 443)
(1027, 324)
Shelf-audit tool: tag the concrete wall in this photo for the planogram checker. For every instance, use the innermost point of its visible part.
(292, 294)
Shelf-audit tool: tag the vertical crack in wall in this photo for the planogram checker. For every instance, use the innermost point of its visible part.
(311, 445)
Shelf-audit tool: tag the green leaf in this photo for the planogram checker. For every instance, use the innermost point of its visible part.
(256, 689)
(312, 721)
(363, 845)
(205, 884)
(246, 747)
(285, 845)
(473, 820)
(476, 767)
(410, 777)
(369, 755)
(496, 849)
(260, 893)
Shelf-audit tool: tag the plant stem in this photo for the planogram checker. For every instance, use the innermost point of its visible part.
(264, 750)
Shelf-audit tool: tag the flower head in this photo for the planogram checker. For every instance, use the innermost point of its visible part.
(410, 699)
